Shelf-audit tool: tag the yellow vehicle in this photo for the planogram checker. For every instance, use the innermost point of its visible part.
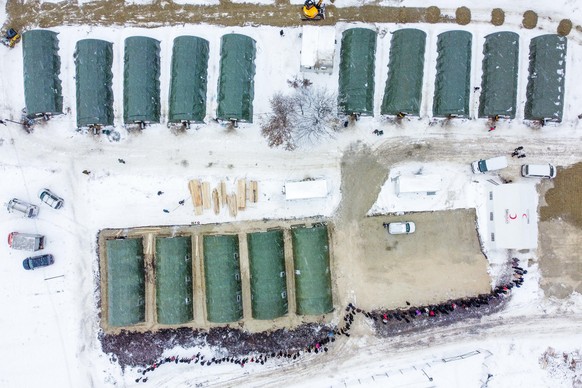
(11, 38)
(313, 11)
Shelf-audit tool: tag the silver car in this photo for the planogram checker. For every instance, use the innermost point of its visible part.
(16, 205)
(51, 199)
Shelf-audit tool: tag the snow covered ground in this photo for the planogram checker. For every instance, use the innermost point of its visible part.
(50, 318)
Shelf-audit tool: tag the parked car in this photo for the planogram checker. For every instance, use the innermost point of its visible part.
(38, 261)
(406, 227)
(26, 241)
(538, 171)
(492, 164)
(15, 205)
(51, 199)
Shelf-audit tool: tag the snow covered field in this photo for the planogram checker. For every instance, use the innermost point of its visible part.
(50, 316)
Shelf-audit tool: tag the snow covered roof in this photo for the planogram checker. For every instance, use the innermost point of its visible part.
(418, 183)
(317, 48)
(513, 215)
(306, 189)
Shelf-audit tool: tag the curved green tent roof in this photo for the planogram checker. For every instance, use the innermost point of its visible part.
(93, 60)
(42, 66)
(174, 280)
(141, 82)
(545, 84)
(499, 79)
(356, 72)
(403, 91)
(236, 83)
(125, 282)
(268, 279)
(188, 84)
(453, 78)
(312, 270)
(222, 276)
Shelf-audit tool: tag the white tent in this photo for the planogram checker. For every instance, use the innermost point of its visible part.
(512, 216)
(425, 184)
(306, 189)
(317, 49)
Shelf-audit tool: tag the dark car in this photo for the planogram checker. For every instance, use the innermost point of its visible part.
(51, 199)
(38, 261)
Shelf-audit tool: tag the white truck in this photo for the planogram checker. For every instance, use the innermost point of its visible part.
(486, 165)
(26, 241)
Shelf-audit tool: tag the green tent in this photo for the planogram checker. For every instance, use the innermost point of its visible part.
(174, 280)
(125, 282)
(403, 91)
(93, 60)
(141, 82)
(312, 270)
(268, 278)
(222, 277)
(188, 84)
(42, 65)
(356, 72)
(453, 78)
(545, 83)
(236, 82)
(499, 79)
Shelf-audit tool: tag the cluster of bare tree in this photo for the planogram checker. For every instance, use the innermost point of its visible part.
(306, 115)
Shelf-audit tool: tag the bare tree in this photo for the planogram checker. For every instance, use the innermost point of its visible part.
(306, 116)
(315, 115)
(277, 128)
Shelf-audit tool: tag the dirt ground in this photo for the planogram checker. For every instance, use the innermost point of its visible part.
(559, 231)
(377, 270)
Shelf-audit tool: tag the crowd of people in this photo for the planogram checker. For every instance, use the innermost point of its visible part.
(343, 329)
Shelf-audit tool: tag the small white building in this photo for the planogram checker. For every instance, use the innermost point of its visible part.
(512, 216)
(421, 184)
(306, 189)
(317, 49)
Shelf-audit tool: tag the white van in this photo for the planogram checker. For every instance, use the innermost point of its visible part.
(538, 171)
(486, 165)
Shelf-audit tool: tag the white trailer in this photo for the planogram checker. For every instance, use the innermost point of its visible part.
(423, 184)
(306, 189)
(26, 241)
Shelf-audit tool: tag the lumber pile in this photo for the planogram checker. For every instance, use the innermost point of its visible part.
(203, 197)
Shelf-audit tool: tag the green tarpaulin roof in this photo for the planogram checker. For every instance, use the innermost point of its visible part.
(125, 282)
(312, 270)
(453, 79)
(42, 65)
(403, 91)
(93, 60)
(545, 86)
(222, 276)
(268, 278)
(499, 79)
(188, 85)
(141, 83)
(174, 280)
(236, 79)
(356, 72)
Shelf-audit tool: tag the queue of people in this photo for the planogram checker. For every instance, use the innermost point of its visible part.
(343, 329)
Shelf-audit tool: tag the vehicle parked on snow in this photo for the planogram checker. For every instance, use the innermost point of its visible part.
(486, 165)
(538, 171)
(51, 199)
(26, 241)
(16, 205)
(406, 227)
(38, 261)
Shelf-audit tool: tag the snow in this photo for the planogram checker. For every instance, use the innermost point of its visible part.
(50, 316)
